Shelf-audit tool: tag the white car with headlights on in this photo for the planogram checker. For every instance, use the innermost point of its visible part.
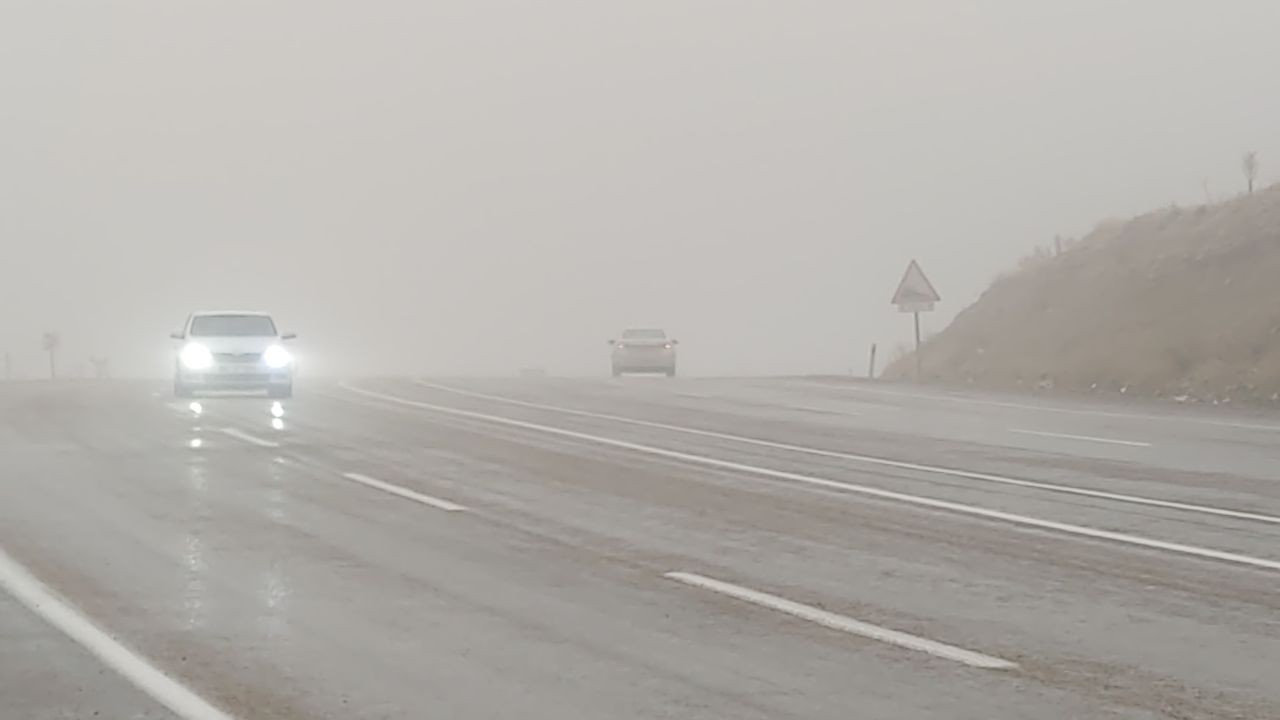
(233, 351)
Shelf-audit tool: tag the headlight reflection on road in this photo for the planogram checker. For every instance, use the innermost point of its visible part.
(193, 592)
(196, 443)
(277, 424)
(196, 408)
(277, 410)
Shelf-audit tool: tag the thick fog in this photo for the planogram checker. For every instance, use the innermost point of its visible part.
(477, 187)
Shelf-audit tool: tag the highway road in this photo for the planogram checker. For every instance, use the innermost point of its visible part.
(635, 548)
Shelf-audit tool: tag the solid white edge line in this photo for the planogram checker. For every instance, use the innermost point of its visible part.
(242, 435)
(1084, 438)
(39, 599)
(405, 493)
(879, 461)
(961, 508)
(843, 623)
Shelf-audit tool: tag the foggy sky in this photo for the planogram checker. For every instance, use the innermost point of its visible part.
(473, 187)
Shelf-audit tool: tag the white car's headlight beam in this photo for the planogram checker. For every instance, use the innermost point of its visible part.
(276, 357)
(195, 356)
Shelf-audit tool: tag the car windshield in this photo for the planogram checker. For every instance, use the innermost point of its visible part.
(643, 334)
(232, 326)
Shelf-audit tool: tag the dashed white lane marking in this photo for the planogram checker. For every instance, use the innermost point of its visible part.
(242, 435)
(1082, 438)
(844, 623)
(403, 492)
(42, 601)
(879, 461)
(933, 503)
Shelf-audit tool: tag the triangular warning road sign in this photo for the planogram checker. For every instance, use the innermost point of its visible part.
(915, 293)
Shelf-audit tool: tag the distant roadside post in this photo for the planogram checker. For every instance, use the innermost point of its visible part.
(51, 342)
(915, 294)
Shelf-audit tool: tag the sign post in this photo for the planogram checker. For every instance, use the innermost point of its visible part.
(919, 372)
(915, 294)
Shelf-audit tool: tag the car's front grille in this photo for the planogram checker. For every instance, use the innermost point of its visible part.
(238, 379)
(237, 357)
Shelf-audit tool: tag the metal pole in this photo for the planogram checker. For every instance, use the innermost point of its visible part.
(919, 374)
(871, 370)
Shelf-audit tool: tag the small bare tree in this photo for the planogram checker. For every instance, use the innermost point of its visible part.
(1250, 167)
(101, 367)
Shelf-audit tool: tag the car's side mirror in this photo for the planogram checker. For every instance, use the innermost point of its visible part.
(177, 335)
(613, 342)
(289, 336)
(674, 342)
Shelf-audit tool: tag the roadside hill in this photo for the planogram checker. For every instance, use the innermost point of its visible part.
(1178, 303)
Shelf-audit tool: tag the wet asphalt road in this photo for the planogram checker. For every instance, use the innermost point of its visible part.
(503, 548)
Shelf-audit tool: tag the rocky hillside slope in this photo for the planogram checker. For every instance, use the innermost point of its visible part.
(1181, 303)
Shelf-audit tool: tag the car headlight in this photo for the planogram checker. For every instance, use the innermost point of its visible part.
(276, 357)
(195, 356)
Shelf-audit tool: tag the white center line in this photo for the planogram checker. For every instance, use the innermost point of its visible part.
(42, 601)
(404, 492)
(242, 435)
(1085, 438)
(844, 623)
(918, 500)
(965, 400)
(880, 461)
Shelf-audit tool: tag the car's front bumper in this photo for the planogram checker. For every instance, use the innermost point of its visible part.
(644, 360)
(236, 377)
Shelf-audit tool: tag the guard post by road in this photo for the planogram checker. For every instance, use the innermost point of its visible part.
(915, 294)
(51, 342)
